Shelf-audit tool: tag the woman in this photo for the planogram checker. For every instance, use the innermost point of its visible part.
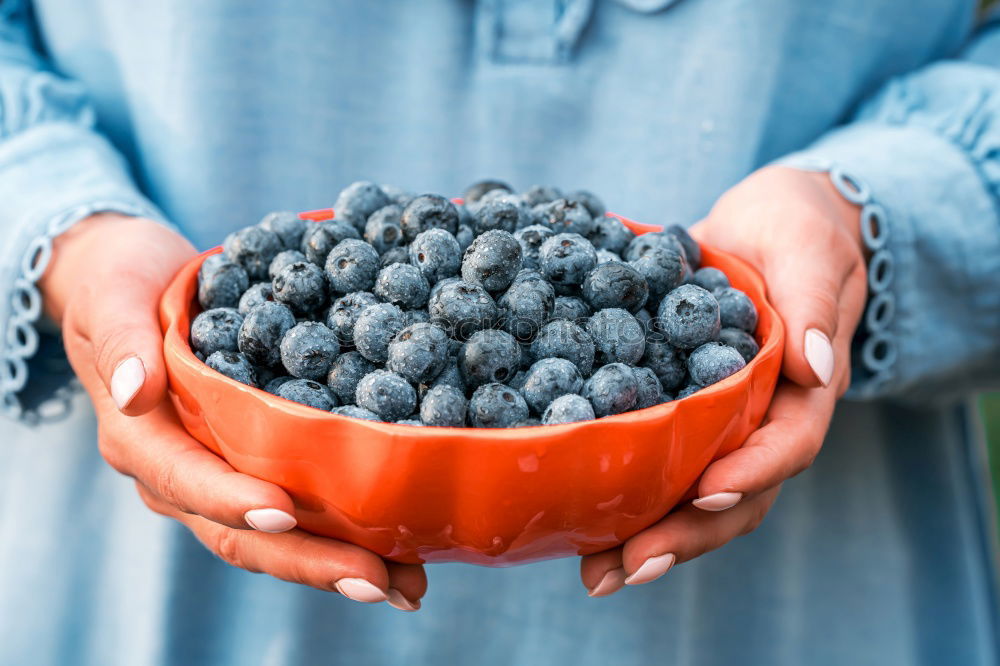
(117, 118)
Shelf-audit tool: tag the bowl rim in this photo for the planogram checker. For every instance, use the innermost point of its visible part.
(175, 316)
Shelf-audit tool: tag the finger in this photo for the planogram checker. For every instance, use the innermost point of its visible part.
(602, 573)
(687, 534)
(784, 446)
(407, 585)
(295, 556)
(158, 452)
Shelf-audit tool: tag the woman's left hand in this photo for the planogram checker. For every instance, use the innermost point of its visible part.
(804, 238)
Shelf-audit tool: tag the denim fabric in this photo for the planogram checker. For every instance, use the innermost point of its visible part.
(216, 112)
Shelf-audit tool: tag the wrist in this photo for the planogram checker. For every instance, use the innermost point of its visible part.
(846, 213)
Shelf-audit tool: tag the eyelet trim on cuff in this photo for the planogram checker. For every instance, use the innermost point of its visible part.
(19, 342)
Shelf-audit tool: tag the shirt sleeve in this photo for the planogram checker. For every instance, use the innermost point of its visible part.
(922, 158)
(55, 170)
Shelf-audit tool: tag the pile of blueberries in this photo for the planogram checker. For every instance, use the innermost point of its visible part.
(506, 310)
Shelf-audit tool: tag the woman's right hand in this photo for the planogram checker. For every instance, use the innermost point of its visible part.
(104, 285)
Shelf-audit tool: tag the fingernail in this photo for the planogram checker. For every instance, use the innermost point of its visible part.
(126, 381)
(269, 520)
(358, 589)
(397, 600)
(651, 569)
(819, 354)
(613, 581)
(718, 501)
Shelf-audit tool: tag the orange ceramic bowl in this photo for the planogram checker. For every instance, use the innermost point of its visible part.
(489, 497)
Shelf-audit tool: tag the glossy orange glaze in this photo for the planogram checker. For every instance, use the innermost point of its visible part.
(488, 497)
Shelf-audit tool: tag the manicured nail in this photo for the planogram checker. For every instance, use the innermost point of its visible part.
(358, 589)
(819, 354)
(397, 600)
(269, 520)
(126, 381)
(718, 501)
(652, 569)
(613, 581)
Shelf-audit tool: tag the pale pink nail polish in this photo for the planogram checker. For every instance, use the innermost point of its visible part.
(819, 354)
(397, 600)
(358, 589)
(718, 501)
(126, 380)
(269, 520)
(613, 581)
(651, 569)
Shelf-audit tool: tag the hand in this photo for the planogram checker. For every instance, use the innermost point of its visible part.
(104, 286)
(804, 238)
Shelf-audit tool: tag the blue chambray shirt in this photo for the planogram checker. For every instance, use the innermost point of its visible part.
(209, 114)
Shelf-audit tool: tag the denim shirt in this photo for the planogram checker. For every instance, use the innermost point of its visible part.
(207, 115)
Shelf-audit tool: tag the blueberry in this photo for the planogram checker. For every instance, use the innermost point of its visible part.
(664, 269)
(612, 389)
(410, 422)
(359, 200)
(643, 243)
(254, 296)
(382, 230)
(529, 422)
(216, 330)
(428, 211)
(437, 254)
(411, 317)
(386, 394)
(497, 406)
(282, 259)
(688, 390)
(517, 381)
(397, 195)
(276, 383)
(568, 408)
(571, 309)
(356, 412)
(301, 286)
(618, 336)
(262, 331)
(222, 284)
(344, 313)
(233, 365)
(615, 285)
(444, 406)
(476, 191)
(712, 362)
(450, 376)
(605, 256)
(590, 201)
(345, 373)
(650, 391)
(307, 392)
(321, 238)
(736, 310)
(646, 321)
(461, 308)
(504, 215)
(566, 259)
(211, 263)
(741, 341)
(493, 259)
(563, 216)
(375, 328)
(308, 350)
(539, 194)
(352, 266)
(531, 239)
(688, 317)
(489, 356)
(527, 305)
(667, 363)
(395, 255)
(419, 352)
(465, 235)
(692, 251)
(288, 226)
(548, 379)
(253, 248)
(403, 285)
(710, 278)
(610, 234)
(564, 339)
